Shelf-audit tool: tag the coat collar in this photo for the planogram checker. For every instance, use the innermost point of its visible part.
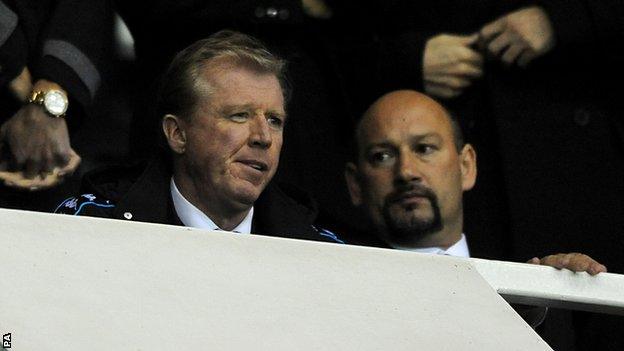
(283, 211)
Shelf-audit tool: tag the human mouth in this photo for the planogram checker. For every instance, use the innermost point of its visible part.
(411, 198)
(256, 165)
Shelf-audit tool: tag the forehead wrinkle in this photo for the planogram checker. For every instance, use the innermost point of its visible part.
(421, 136)
(220, 77)
(251, 107)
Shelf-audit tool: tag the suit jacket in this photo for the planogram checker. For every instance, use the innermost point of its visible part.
(141, 193)
(549, 138)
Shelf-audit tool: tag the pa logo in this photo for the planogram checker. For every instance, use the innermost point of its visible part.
(6, 341)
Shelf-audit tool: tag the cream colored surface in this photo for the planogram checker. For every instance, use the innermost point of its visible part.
(547, 286)
(75, 283)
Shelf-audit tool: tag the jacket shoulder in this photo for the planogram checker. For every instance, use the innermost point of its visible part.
(101, 190)
(86, 205)
(288, 211)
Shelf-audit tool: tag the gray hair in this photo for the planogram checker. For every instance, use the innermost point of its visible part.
(181, 84)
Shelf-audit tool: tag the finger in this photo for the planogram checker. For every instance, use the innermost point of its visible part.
(467, 70)
(578, 262)
(47, 162)
(470, 56)
(583, 263)
(597, 268)
(18, 161)
(534, 260)
(452, 82)
(63, 158)
(468, 40)
(42, 183)
(61, 161)
(8, 178)
(511, 54)
(15, 179)
(72, 164)
(5, 176)
(558, 261)
(491, 30)
(525, 58)
(496, 46)
(19, 181)
(32, 167)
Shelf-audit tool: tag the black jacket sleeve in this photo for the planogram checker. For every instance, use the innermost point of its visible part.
(13, 44)
(584, 22)
(74, 45)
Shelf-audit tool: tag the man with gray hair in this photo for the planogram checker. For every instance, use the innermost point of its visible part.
(221, 107)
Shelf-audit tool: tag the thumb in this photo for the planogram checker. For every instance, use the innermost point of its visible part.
(468, 40)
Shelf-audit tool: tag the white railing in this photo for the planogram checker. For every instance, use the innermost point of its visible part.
(546, 286)
(75, 283)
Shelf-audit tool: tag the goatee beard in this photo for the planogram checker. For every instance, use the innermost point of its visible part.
(404, 232)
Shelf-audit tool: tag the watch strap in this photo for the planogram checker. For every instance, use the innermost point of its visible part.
(38, 97)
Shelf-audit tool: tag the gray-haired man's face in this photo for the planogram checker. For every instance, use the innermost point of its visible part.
(235, 136)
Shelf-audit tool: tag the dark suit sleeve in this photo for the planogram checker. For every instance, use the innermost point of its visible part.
(13, 44)
(582, 22)
(74, 47)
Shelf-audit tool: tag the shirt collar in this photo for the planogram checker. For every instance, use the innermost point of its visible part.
(191, 216)
(459, 249)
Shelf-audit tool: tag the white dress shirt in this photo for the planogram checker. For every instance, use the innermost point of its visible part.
(459, 249)
(191, 216)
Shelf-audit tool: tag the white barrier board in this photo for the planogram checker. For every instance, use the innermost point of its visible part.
(76, 283)
(547, 286)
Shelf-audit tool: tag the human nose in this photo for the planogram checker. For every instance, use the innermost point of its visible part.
(260, 133)
(408, 169)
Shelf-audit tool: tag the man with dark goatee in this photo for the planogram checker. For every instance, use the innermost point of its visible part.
(409, 173)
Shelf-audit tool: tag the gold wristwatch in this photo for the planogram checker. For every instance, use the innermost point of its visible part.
(54, 101)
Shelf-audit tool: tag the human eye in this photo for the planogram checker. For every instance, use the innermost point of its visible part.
(380, 157)
(239, 117)
(425, 149)
(276, 121)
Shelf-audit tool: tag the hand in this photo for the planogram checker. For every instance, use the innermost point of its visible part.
(520, 36)
(21, 86)
(19, 181)
(576, 262)
(37, 143)
(450, 65)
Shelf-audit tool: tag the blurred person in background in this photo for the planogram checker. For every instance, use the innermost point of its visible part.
(52, 55)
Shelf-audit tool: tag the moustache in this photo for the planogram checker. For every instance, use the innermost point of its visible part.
(410, 190)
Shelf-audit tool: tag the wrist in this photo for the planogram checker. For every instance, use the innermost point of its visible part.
(46, 85)
(51, 97)
(21, 86)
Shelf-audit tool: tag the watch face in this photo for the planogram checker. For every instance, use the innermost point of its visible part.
(55, 102)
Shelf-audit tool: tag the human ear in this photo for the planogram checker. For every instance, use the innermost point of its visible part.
(173, 128)
(353, 183)
(468, 166)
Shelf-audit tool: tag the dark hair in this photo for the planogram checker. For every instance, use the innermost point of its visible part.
(181, 83)
(458, 134)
